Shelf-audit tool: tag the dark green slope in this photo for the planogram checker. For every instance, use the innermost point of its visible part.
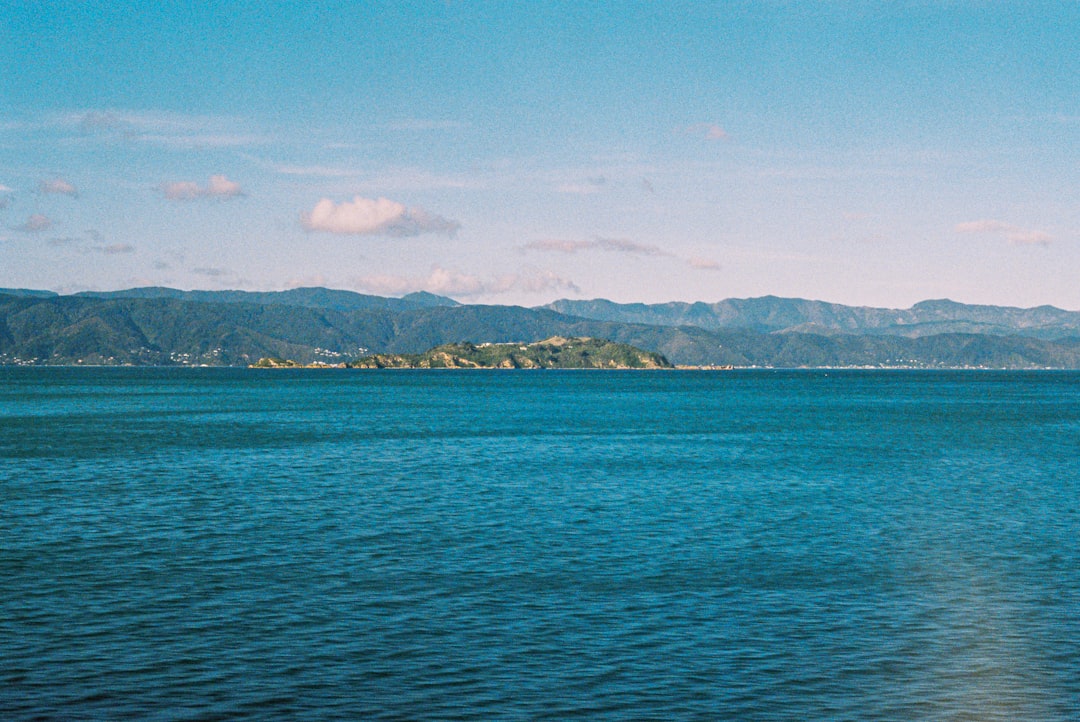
(167, 331)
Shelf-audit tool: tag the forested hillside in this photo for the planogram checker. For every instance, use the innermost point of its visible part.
(159, 327)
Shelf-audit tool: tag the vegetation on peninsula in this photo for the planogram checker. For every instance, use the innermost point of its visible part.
(553, 353)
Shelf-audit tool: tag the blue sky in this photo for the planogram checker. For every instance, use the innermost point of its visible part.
(863, 153)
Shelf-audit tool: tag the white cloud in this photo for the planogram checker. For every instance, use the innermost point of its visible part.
(380, 216)
(5, 189)
(222, 186)
(360, 216)
(1012, 233)
(35, 224)
(218, 187)
(613, 245)
(58, 186)
(457, 284)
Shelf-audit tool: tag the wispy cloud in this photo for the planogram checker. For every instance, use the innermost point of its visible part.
(415, 179)
(98, 121)
(115, 248)
(612, 245)
(35, 224)
(218, 187)
(58, 186)
(91, 242)
(317, 171)
(615, 245)
(211, 272)
(590, 186)
(422, 124)
(365, 180)
(373, 217)
(708, 131)
(1014, 234)
(983, 226)
(167, 129)
(457, 284)
(199, 141)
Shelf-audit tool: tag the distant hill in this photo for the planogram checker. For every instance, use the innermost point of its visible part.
(770, 314)
(305, 297)
(27, 293)
(235, 328)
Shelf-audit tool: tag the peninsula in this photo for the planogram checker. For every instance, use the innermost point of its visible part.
(556, 352)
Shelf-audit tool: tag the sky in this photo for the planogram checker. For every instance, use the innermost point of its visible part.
(865, 153)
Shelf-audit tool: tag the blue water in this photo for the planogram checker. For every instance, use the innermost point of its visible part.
(236, 544)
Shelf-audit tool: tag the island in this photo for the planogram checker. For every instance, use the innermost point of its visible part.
(556, 352)
(273, 362)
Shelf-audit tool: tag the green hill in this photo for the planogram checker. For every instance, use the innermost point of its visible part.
(316, 326)
(553, 353)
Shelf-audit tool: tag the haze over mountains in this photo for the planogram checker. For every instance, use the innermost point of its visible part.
(168, 326)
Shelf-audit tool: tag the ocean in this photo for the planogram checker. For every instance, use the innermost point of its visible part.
(234, 544)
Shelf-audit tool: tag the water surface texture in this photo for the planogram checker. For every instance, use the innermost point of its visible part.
(235, 544)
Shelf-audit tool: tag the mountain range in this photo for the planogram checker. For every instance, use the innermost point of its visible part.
(163, 326)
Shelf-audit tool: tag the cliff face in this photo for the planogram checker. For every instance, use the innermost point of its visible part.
(553, 353)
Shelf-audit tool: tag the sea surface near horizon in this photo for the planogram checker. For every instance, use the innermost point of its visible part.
(213, 544)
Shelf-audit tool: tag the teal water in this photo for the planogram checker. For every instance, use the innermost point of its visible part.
(213, 544)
